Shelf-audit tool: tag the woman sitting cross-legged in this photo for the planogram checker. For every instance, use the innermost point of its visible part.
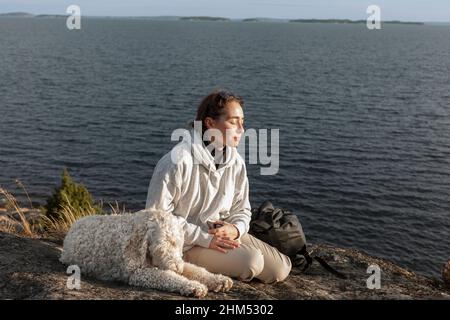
(203, 182)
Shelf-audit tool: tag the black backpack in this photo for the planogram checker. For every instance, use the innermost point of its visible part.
(281, 229)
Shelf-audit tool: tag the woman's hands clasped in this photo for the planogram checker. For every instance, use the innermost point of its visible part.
(224, 236)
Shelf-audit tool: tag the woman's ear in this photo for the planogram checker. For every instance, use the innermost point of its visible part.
(209, 123)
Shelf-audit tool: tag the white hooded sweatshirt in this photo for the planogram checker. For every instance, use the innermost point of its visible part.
(186, 183)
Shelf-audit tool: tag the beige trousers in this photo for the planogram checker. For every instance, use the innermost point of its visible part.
(252, 259)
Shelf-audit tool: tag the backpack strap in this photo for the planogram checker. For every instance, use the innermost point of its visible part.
(262, 224)
(304, 253)
(322, 262)
(329, 268)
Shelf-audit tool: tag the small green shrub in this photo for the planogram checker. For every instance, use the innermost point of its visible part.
(70, 195)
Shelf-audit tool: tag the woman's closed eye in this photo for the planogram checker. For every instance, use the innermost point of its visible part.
(236, 122)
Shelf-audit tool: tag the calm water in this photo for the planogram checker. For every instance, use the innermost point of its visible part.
(364, 117)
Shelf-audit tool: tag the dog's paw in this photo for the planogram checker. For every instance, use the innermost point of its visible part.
(220, 283)
(176, 267)
(195, 289)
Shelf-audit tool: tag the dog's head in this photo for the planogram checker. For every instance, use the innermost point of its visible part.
(166, 243)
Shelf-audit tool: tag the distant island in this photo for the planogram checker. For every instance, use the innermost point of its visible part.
(50, 16)
(208, 18)
(29, 15)
(264, 20)
(16, 14)
(351, 21)
(205, 18)
(162, 18)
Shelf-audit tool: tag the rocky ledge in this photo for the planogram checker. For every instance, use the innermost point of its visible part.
(29, 269)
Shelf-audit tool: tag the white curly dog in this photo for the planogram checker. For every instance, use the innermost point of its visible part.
(142, 249)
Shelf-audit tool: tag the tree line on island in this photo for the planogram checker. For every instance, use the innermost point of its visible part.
(209, 18)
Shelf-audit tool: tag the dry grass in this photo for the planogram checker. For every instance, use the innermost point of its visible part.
(10, 225)
(43, 226)
(7, 225)
(58, 227)
(115, 209)
(20, 184)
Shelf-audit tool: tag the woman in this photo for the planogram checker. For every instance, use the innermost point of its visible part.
(204, 184)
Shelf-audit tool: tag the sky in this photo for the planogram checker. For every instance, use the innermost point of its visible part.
(405, 10)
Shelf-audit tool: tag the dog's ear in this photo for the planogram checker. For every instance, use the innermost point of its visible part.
(136, 248)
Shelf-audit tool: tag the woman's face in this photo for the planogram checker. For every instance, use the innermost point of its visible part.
(230, 125)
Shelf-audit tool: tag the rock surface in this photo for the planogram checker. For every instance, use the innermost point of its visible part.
(29, 269)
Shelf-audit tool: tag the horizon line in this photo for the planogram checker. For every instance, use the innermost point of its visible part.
(212, 16)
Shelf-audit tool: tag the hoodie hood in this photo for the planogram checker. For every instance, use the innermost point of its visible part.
(204, 157)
